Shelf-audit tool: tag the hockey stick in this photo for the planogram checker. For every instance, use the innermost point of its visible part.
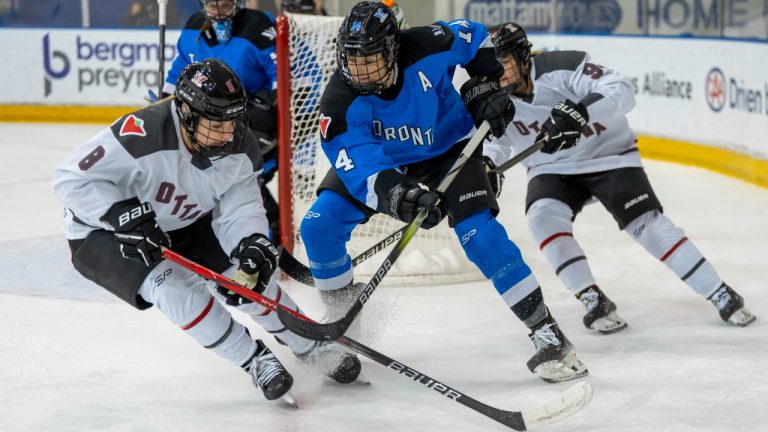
(567, 403)
(161, 6)
(336, 329)
(301, 273)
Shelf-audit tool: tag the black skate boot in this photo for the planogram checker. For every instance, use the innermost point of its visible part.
(337, 364)
(601, 311)
(731, 306)
(269, 375)
(555, 359)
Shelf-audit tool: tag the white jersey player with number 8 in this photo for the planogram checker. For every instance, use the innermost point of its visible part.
(578, 107)
(183, 173)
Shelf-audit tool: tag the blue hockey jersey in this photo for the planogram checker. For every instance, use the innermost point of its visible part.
(250, 52)
(418, 118)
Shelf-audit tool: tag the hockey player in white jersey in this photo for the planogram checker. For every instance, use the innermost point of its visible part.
(578, 107)
(183, 173)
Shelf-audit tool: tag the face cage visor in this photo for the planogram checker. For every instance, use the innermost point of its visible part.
(367, 70)
(210, 136)
(220, 11)
(511, 43)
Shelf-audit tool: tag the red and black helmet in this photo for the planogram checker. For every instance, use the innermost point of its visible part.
(212, 90)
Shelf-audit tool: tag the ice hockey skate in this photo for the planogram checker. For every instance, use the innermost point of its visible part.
(555, 359)
(601, 311)
(333, 361)
(270, 376)
(731, 306)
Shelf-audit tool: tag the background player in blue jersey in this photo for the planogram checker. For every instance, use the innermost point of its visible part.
(392, 121)
(244, 39)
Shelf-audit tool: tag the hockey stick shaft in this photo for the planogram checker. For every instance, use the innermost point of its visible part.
(301, 273)
(162, 7)
(334, 330)
(544, 414)
(516, 159)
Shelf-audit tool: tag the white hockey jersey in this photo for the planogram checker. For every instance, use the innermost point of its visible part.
(607, 142)
(142, 155)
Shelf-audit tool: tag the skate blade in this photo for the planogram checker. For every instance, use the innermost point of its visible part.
(556, 371)
(611, 323)
(742, 318)
(289, 400)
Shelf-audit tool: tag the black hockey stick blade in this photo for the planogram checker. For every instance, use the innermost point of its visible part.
(332, 331)
(294, 269)
(336, 329)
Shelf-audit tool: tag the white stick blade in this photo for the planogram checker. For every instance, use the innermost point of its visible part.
(568, 403)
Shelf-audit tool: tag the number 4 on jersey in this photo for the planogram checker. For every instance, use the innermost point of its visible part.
(343, 161)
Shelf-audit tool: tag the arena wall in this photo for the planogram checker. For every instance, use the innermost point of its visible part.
(700, 101)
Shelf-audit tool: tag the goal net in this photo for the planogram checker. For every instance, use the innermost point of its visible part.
(306, 55)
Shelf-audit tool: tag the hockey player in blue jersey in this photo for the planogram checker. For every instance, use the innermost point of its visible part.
(391, 121)
(244, 39)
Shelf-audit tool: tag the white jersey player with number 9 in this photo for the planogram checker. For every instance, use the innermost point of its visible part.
(578, 108)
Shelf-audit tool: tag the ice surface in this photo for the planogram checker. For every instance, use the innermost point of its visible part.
(74, 359)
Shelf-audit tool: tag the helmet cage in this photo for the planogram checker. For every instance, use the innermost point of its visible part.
(195, 100)
(238, 5)
(509, 39)
(370, 28)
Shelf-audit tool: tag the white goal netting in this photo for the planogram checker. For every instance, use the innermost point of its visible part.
(433, 256)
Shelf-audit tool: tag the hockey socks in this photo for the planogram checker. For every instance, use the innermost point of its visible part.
(486, 244)
(185, 300)
(551, 224)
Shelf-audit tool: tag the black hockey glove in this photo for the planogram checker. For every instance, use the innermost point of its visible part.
(564, 126)
(257, 260)
(136, 231)
(261, 112)
(484, 99)
(496, 178)
(405, 201)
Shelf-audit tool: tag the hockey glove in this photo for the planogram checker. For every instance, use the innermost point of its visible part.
(564, 126)
(484, 100)
(261, 112)
(257, 260)
(136, 231)
(405, 201)
(495, 178)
